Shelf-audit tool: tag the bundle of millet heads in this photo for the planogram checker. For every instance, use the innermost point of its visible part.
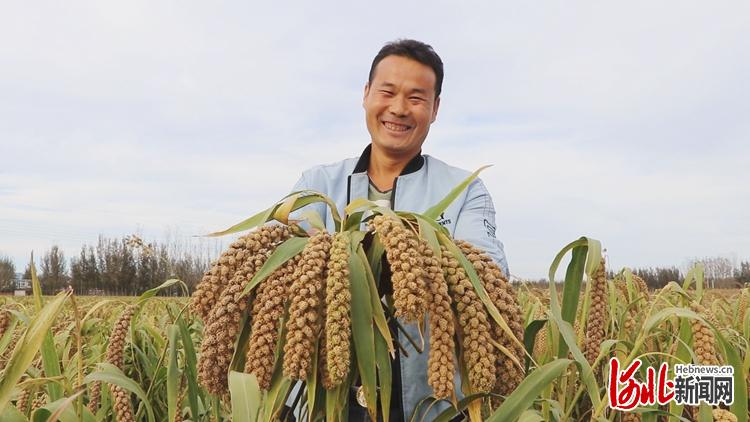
(509, 371)
(435, 282)
(219, 300)
(308, 300)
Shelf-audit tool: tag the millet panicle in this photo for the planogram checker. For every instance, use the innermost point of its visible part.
(305, 309)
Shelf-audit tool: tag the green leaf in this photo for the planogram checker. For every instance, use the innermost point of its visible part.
(429, 233)
(682, 355)
(571, 287)
(314, 219)
(695, 274)
(282, 211)
(247, 224)
(435, 211)
(740, 405)
(61, 409)
(191, 372)
(280, 385)
(331, 206)
(11, 414)
(6, 338)
(113, 375)
(337, 400)
(50, 360)
(261, 217)
(173, 372)
(530, 416)
(453, 411)
(377, 308)
(422, 220)
(148, 294)
(364, 205)
(283, 253)
(362, 328)
(522, 398)
(360, 204)
(246, 396)
(530, 337)
(352, 222)
(28, 346)
(385, 375)
(240, 345)
(312, 382)
(569, 337)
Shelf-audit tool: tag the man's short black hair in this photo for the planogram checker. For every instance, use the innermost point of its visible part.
(414, 50)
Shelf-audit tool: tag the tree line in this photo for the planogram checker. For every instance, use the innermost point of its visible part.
(129, 266)
(118, 266)
(718, 272)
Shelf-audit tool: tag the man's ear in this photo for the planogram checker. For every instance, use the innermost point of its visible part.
(367, 91)
(435, 109)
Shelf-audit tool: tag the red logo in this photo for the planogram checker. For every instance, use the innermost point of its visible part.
(625, 392)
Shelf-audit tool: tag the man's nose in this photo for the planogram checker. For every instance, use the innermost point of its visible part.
(398, 106)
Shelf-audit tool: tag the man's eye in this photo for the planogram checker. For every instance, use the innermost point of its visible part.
(414, 98)
(386, 92)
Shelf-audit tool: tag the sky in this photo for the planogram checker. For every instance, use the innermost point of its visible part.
(628, 122)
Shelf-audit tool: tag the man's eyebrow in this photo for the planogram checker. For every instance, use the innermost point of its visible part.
(413, 90)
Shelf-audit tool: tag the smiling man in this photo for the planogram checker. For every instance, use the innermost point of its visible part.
(401, 101)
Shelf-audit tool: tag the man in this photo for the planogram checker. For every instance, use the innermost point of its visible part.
(401, 101)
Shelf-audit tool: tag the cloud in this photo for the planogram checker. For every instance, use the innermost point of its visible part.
(623, 122)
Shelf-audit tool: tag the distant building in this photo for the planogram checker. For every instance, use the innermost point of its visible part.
(20, 283)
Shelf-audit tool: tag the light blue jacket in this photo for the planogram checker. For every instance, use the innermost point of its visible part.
(423, 183)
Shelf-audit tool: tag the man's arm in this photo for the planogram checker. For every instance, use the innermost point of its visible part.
(476, 224)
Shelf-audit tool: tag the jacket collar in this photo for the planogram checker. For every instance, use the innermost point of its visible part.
(415, 164)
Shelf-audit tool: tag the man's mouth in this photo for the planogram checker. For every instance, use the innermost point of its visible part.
(396, 127)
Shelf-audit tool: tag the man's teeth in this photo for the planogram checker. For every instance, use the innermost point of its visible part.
(395, 126)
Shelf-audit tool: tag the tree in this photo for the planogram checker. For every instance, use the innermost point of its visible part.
(27, 272)
(54, 270)
(742, 274)
(7, 273)
(129, 265)
(658, 277)
(84, 273)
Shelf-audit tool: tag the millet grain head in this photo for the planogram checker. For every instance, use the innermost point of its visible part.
(597, 319)
(123, 407)
(721, 415)
(217, 278)
(268, 309)
(5, 317)
(338, 310)
(222, 326)
(22, 402)
(407, 269)
(479, 353)
(704, 341)
(306, 307)
(503, 296)
(630, 417)
(116, 347)
(441, 362)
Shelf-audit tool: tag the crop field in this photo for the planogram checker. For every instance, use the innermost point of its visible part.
(77, 375)
(289, 322)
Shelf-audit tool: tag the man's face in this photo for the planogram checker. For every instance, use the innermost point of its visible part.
(400, 105)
